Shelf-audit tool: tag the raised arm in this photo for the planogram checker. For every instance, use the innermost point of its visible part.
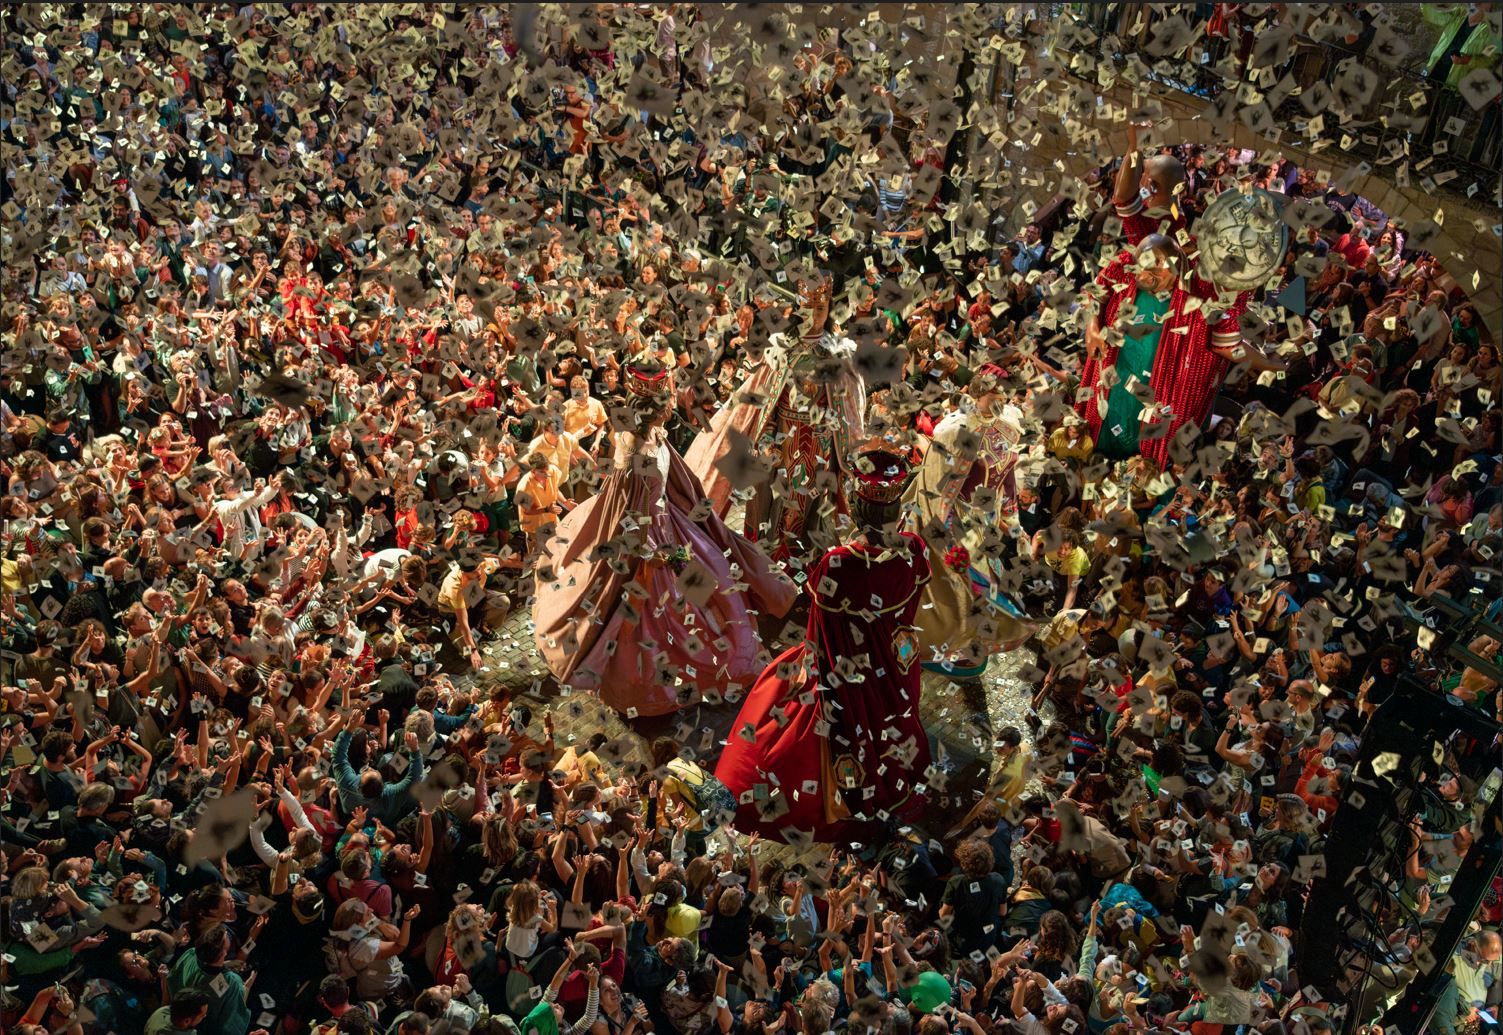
(414, 769)
(571, 953)
(263, 851)
(560, 859)
(592, 1005)
(753, 876)
(1129, 175)
(623, 876)
(425, 831)
(723, 1018)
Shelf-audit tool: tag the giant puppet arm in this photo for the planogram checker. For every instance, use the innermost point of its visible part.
(1247, 354)
(1129, 173)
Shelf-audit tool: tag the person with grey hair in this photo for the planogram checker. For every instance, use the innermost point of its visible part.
(83, 824)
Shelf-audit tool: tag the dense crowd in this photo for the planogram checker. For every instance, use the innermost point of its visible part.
(320, 320)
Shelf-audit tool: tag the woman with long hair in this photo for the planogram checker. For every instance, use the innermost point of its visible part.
(1055, 946)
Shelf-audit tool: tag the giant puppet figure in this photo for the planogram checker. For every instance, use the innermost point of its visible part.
(1173, 332)
(614, 614)
(962, 501)
(830, 741)
(804, 403)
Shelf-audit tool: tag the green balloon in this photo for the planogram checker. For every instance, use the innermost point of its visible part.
(931, 992)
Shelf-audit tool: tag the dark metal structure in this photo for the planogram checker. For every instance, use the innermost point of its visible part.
(1358, 937)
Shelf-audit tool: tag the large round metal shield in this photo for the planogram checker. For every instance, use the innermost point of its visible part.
(1242, 238)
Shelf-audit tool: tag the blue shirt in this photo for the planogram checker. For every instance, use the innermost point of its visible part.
(391, 804)
(1028, 256)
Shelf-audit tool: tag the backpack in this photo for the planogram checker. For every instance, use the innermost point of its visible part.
(519, 987)
(517, 993)
(710, 797)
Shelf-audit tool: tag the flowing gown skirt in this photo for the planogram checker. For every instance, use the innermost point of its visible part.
(831, 736)
(650, 639)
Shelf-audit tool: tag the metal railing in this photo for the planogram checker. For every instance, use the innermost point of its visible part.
(1453, 149)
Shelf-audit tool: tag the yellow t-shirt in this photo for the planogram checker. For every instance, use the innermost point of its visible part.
(583, 417)
(582, 765)
(537, 495)
(10, 575)
(676, 788)
(1076, 564)
(1062, 628)
(560, 454)
(682, 921)
(1011, 779)
(449, 596)
(1314, 497)
(1059, 445)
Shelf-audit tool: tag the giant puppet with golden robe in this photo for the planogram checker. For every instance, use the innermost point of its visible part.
(962, 501)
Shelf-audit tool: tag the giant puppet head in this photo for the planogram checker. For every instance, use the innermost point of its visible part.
(1159, 265)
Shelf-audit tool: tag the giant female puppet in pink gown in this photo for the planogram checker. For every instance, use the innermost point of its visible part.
(637, 594)
(830, 738)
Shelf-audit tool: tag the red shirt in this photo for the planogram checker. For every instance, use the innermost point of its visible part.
(407, 522)
(373, 893)
(1354, 250)
(1324, 802)
(322, 819)
(449, 966)
(576, 987)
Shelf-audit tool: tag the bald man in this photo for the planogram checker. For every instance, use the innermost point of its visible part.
(1145, 193)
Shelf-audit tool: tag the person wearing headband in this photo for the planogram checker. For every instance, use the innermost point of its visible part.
(836, 718)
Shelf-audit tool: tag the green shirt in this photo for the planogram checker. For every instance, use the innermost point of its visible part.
(541, 1021)
(1479, 42)
(1119, 428)
(160, 1023)
(229, 1013)
(1314, 496)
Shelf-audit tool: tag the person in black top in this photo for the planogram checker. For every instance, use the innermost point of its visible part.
(58, 778)
(974, 899)
(1198, 739)
(394, 682)
(61, 441)
(43, 663)
(83, 824)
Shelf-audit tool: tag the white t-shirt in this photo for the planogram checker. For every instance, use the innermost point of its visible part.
(374, 978)
(522, 939)
(389, 560)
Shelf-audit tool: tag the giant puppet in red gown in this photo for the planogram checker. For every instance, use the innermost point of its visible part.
(1170, 346)
(830, 736)
(1179, 334)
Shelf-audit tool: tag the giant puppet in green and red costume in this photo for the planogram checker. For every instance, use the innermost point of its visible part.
(1175, 333)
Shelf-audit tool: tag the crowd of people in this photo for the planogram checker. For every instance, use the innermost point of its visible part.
(338, 337)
